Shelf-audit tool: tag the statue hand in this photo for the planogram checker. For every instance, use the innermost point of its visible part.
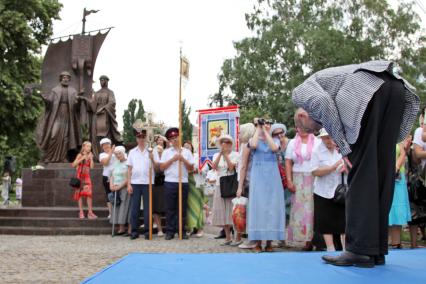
(81, 92)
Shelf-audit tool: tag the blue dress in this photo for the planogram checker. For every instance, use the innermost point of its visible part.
(266, 210)
(400, 213)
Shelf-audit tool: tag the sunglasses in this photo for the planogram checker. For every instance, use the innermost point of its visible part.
(278, 134)
(226, 142)
(142, 136)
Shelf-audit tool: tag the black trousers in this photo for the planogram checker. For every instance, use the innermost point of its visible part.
(105, 182)
(171, 194)
(372, 177)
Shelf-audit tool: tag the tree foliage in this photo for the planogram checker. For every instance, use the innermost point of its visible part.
(134, 111)
(295, 38)
(24, 27)
(186, 123)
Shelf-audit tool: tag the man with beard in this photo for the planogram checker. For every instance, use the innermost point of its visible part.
(58, 132)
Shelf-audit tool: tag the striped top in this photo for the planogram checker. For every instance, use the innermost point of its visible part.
(338, 97)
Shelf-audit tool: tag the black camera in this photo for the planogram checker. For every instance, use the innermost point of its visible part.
(261, 121)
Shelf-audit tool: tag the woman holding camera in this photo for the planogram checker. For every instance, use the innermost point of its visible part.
(266, 214)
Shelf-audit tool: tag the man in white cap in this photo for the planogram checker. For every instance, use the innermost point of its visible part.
(107, 160)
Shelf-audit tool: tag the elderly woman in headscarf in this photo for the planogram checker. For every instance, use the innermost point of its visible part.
(118, 186)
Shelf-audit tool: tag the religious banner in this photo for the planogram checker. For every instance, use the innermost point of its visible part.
(212, 123)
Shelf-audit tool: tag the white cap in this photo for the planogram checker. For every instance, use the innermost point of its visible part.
(120, 149)
(323, 133)
(105, 140)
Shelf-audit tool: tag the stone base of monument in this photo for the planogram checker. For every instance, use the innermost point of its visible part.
(48, 207)
(49, 187)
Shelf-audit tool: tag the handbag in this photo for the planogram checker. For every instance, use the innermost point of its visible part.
(75, 182)
(117, 200)
(229, 185)
(283, 175)
(340, 192)
(417, 189)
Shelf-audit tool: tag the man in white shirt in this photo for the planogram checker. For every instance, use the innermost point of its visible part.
(138, 163)
(107, 160)
(169, 163)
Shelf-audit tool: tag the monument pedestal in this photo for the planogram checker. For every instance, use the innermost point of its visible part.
(49, 187)
(48, 207)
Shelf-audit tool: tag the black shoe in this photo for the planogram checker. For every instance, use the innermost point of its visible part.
(134, 236)
(379, 259)
(221, 235)
(348, 258)
(184, 237)
(169, 237)
(146, 237)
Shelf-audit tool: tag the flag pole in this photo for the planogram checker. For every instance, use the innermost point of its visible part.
(150, 196)
(180, 145)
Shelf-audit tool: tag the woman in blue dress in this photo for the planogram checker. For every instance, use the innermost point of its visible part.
(266, 213)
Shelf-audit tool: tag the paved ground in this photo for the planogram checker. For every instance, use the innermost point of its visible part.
(70, 259)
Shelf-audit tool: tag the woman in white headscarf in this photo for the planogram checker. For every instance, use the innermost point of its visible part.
(118, 185)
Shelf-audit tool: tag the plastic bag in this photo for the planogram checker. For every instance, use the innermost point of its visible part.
(239, 213)
(209, 189)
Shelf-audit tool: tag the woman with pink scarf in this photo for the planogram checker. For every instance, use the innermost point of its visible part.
(300, 182)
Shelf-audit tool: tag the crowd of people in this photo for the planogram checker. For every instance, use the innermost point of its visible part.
(290, 185)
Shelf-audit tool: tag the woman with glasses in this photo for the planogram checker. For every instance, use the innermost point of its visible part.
(225, 163)
(279, 131)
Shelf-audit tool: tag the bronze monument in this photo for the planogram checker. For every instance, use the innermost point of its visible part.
(58, 131)
(103, 119)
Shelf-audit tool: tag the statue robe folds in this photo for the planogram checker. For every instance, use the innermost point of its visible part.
(103, 122)
(59, 130)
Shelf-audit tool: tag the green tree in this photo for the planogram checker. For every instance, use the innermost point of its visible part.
(24, 27)
(295, 38)
(186, 123)
(134, 111)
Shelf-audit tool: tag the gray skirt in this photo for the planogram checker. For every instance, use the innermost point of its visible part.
(121, 215)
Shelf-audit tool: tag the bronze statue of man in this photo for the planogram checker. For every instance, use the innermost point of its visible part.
(103, 122)
(58, 131)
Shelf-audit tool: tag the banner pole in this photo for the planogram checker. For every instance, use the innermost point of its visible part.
(180, 145)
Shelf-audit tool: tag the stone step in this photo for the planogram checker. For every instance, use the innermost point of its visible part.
(56, 212)
(9, 230)
(53, 222)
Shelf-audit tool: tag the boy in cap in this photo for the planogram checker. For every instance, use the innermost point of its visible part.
(169, 163)
(107, 160)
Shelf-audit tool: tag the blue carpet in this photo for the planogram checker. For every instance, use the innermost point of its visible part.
(403, 266)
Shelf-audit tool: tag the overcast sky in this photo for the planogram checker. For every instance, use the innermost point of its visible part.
(141, 54)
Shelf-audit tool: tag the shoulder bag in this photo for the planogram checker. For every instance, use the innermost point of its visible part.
(229, 185)
(75, 182)
(340, 192)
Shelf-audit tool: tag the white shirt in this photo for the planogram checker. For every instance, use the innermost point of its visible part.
(108, 168)
(418, 141)
(222, 167)
(290, 154)
(326, 185)
(172, 172)
(140, 163)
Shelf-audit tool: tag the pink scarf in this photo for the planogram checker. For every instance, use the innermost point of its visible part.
(298, 148)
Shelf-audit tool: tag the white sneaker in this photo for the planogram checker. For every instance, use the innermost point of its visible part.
(248, 245)
(160, 234)
(109, 216)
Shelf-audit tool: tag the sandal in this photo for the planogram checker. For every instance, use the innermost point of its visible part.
(226, 243)
(269, 249)
(257, 248)
(396, 246)
(91, 215)
(81, 215)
